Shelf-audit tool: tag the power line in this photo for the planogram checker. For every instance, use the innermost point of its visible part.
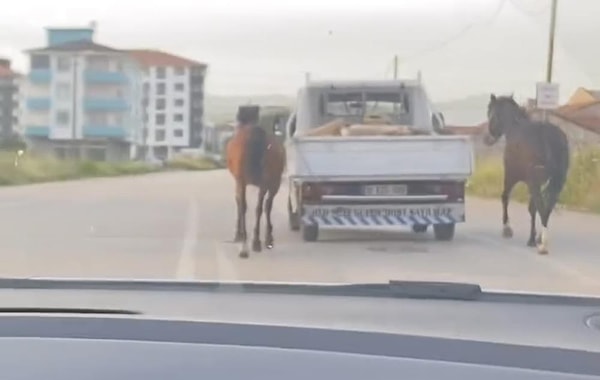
(460, 34)
(522, 9)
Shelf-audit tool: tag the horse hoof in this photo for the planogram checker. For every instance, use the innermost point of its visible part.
(256, 246)
(244, 255)
(531, 243)
(270, 246)
(507, 232)
(542, 250)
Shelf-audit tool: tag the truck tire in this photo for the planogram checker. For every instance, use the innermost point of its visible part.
(310, 232)
(444, 232)
(293, 217)
(420, 228)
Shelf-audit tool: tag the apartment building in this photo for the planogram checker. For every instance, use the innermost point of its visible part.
(9, 99)
(173, 102)
(82, 99)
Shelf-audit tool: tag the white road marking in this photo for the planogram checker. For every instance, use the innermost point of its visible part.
(186, 266)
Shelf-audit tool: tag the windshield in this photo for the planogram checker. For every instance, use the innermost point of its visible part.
(405, 140)
(382, 104)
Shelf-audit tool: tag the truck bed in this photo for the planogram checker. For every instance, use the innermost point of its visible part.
(380, 157)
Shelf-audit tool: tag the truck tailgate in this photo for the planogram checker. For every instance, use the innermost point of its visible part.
(410, 157)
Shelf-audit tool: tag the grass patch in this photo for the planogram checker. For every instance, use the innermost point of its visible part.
(581, 192)
(36, 169)
(191, 163)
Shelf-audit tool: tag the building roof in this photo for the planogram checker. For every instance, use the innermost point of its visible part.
(78, 46)
(150, 57)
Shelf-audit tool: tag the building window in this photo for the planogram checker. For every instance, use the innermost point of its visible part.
(159, 135)
(160, 119)
(96, 154)
(63, 118)
(63, 64)
(161, 73)
(63, 91)
(40, 61)
(161, 104)
(161, 89)
(98, 62)
(179, 71)
(178, 117)
(98, 118)
(178, 132)
(179, 102)
(179, 87)
(197, 70)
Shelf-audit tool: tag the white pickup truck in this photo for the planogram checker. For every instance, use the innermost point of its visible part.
(376, 182)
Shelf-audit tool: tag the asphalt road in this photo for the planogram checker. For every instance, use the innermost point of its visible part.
(180, 225)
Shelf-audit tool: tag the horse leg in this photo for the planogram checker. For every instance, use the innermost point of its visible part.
(256, 245)
(509, 183)
(268, 208)
(243, 206)
(238, 237)
(532, 234)
(538, 201)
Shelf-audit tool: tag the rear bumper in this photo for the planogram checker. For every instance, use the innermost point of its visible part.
(382, 216)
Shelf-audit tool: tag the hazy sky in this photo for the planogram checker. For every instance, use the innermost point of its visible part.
(463, 47)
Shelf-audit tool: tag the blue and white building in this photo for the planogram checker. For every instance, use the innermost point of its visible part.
(82, 99)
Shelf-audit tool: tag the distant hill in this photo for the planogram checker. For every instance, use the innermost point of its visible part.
(466, 111)
(220, 108)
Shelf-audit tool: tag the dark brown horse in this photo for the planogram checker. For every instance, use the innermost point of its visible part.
(254, 157)
(536, 153)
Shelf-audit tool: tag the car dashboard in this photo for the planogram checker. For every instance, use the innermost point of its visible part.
(72, 330)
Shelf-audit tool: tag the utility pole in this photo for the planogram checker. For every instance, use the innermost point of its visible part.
(306, 77)
(395, 67)
(551, 42)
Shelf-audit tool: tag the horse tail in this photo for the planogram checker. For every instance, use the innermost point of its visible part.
(558, 176)
(254, 160)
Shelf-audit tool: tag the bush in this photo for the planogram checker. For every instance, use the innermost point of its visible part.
(582, 190)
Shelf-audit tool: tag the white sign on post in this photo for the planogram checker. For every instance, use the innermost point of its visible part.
(547, 95)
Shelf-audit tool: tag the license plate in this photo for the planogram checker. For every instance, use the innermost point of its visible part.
(385, 190)
(366, 212)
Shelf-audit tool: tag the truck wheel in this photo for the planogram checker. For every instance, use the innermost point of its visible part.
(310, 232)
(444, 232)
(420, 228)
(293, 217)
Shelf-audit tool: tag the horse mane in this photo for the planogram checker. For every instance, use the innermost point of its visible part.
(520, 112)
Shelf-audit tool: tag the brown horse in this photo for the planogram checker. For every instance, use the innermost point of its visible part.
(256, 158)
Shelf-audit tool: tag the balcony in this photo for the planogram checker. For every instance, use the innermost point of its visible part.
(38, 104)
(105, 104)
(37, 131)
(105, 77)
(106, 131)
(40, 76)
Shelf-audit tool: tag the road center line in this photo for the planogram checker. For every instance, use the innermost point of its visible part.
(186, 268)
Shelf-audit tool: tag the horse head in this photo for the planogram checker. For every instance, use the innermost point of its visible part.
(503, 112)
